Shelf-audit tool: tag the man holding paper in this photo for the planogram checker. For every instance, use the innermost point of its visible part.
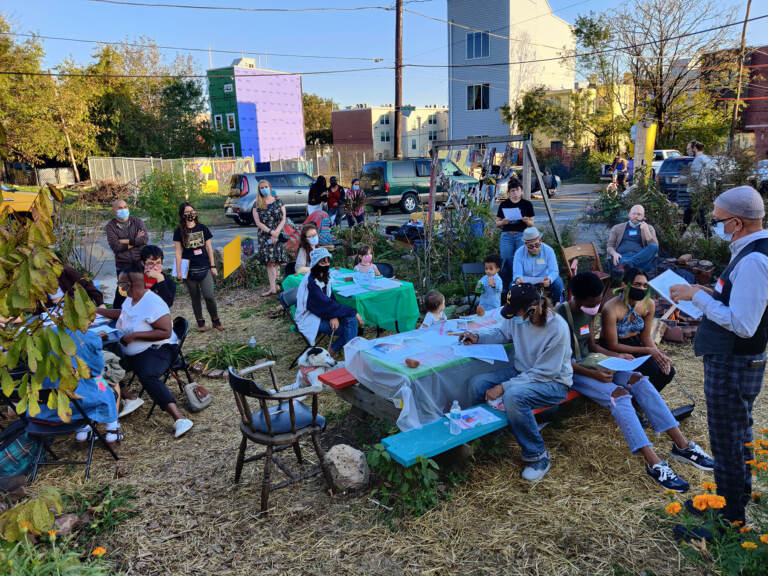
(536, 263)
(514, 215)
(617, 389)
(732, 339)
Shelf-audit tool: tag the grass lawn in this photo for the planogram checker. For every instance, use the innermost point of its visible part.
(596, 512)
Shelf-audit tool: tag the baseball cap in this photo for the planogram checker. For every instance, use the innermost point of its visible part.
(520, 296)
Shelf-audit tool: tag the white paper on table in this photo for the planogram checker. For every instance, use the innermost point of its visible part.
(475, 416)
(383, 284)
(434, 339)
(512, 214)
(663, 282)
(533, 279)
(351, 290)
(621, 365)
(184, 268)
(481, 351)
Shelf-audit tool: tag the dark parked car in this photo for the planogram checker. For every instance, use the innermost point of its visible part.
(292, 189)
(672, 179)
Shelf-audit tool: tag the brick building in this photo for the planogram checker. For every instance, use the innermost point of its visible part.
(754, 117)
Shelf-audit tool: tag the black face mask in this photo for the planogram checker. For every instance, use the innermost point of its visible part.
(190, 217)
(637, 294)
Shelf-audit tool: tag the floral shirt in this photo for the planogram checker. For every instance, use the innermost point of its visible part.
(354, 202)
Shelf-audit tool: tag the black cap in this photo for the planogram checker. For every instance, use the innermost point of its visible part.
(333, 179)
(520, 296)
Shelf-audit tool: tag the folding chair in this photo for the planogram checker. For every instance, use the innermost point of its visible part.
(287, 299)
(181, 329)
(467, 270)
(386, 269)
(571, 254)
(47, 432)
(277, 426)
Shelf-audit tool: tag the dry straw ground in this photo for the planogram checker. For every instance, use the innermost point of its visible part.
(596, 512)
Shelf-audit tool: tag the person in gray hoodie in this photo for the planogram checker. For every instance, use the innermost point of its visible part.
(541, 373)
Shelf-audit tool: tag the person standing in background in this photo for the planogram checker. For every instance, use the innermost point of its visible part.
(732, 339)
(354, 205)
(335, 201)
(521, 217)
(318, 193)
(126, 235)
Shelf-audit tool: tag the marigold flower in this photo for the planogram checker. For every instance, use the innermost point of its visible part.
(715, 501)
(700, 502)
(756, 496)
(674, 508)
(736, 523)
(750, 462)
(52, 534)
(25, 526)
(763, 430)
(669, 492)
(762, 466)
(745, 529)
(750, 444)
(764, 538)
(761, 451)
(98, 551)
(749, 545)
(709, 486)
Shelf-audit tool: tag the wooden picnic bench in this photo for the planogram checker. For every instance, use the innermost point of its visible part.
(427, 441)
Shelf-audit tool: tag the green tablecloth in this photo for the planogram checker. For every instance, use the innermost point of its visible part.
(394, 310)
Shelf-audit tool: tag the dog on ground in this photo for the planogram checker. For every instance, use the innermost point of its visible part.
(313, 362)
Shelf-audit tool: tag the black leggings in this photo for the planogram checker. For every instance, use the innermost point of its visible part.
(650, 368)
(150, 366)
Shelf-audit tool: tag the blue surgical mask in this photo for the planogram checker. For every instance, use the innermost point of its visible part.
(519, 320)
(313, 240)
(720, 231)
(633, 225)
(264, 191)
(355, 187)
(123, 214)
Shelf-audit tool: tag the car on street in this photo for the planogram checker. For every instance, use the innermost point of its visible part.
(292, 189)
(658, 159)
(405, 183)
(672, 179)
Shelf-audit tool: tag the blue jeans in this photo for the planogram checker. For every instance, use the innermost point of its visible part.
(335, 215)
(644, 260)
(520, 399)
(352, 219)
(647, 397)
(344, 333)
(556, 288)
(508, 245)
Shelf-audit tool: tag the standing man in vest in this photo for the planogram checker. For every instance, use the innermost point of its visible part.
(732, 339)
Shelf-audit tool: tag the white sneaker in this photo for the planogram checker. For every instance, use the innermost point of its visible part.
(130, 406)
(182, 426)
(83, 433)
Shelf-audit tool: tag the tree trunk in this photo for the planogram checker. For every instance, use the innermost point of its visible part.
(69, 151)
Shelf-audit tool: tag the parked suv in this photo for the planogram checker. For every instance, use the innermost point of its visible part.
(658, 159)
(292, 189)
(405, 183)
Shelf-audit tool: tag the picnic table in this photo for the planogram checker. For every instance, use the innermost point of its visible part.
(394, 309)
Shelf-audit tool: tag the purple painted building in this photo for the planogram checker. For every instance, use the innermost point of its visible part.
(261, 110)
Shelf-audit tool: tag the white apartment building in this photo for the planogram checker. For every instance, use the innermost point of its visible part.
(490, 63)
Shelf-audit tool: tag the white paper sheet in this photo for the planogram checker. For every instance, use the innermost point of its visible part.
(512, 214)
(481, 351)
(383, 284)
(351, 290)
(434, 339)
(621, 365)
(533, 279)
(475, 416)
(663, 282)
(184, 268)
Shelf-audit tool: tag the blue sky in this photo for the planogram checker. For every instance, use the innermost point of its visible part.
(359, 34)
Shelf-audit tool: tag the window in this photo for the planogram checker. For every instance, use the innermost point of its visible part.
(301, 180)
(423, 168)
(227, 88)
(228, 150)
(478, 45)
(413, 143)
(477, 97)
(384, 136)
(276, 181)
(432, 135)
(384, 119)
(402, 169)
(432, 119)
(217, 123)
(231, 122)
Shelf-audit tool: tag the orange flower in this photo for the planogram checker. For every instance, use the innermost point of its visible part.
(709, 486)
(750, 462)
(756, 496)
(762, 466)
(750, 444)
(52, 534)
(715, 501)
(745, 529)
(674, 508)
(748, 545)
(763, 430)
(25, 526)
(98, 551)
(761, 451)
(736, 523)
(764, 538)
(700, 502)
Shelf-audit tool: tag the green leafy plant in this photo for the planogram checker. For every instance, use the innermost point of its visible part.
(106, 506)
(29, 271)
(406, 490)
(161, 192)
(25, 559)
(33, 516)
(220, 355)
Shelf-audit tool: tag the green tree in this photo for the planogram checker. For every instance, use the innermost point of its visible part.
(184, 127)
(533, 112)
(317, 118)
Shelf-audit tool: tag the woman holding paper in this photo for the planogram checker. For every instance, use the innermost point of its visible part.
(627, 325)
(514, 215)
(616, 390)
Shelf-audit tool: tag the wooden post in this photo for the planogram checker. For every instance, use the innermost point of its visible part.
(531, 157)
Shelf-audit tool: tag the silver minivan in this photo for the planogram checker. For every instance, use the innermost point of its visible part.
(292, 189)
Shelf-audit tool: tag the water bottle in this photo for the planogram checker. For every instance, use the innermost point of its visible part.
(252, 342)
(454, 417)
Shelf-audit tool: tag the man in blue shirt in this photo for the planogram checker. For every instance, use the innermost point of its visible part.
(536, 263)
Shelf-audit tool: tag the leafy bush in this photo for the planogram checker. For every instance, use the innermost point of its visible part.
(106, 192)
(33, 516)
(220, 355)
(161, 192)
(406, 490)
(107, 506)
(590, 164)
(251, 275)
(24, 559)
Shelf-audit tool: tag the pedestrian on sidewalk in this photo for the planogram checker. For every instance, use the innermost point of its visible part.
(126, 235)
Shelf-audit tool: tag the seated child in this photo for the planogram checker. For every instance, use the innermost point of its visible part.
(364, 261)
(489, 286)
(434, 302)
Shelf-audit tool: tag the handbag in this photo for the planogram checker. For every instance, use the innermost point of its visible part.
(198, 397)
(197, 274)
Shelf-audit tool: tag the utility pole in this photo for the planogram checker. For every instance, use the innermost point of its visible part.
(398, 75)
(735, 116)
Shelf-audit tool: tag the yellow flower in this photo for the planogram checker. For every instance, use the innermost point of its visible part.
(98, 551)
(25, 526)
(764, 538)
(709, 486)
(749, 545)
(715, 501)
(52, 534)
(674, 508)
(745, 529)
(669, 492)
(700, 502)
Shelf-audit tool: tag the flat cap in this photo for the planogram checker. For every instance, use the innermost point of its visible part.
(742, 201)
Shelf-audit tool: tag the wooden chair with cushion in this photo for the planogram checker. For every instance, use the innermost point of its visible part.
(279, 424)
(571, 256)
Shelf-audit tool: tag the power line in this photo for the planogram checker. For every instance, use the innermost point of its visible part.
(593, 53)
(184, 75)
(242, 9)
(139, 45)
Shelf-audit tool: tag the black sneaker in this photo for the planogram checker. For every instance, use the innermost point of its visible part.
(694, 455)
(665, 476)
(685, 534)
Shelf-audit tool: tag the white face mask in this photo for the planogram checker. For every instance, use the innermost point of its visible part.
(313, 240)
(720, 231)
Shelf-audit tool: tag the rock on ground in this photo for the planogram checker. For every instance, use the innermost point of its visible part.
(349, 469)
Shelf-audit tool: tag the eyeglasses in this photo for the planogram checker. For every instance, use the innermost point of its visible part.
(715, 222)
(533, 244)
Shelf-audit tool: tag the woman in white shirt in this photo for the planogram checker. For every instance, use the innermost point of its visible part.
(307, 242)
(149, 342)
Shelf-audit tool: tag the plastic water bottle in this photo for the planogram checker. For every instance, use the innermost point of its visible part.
(252, 342)
(454, 417)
